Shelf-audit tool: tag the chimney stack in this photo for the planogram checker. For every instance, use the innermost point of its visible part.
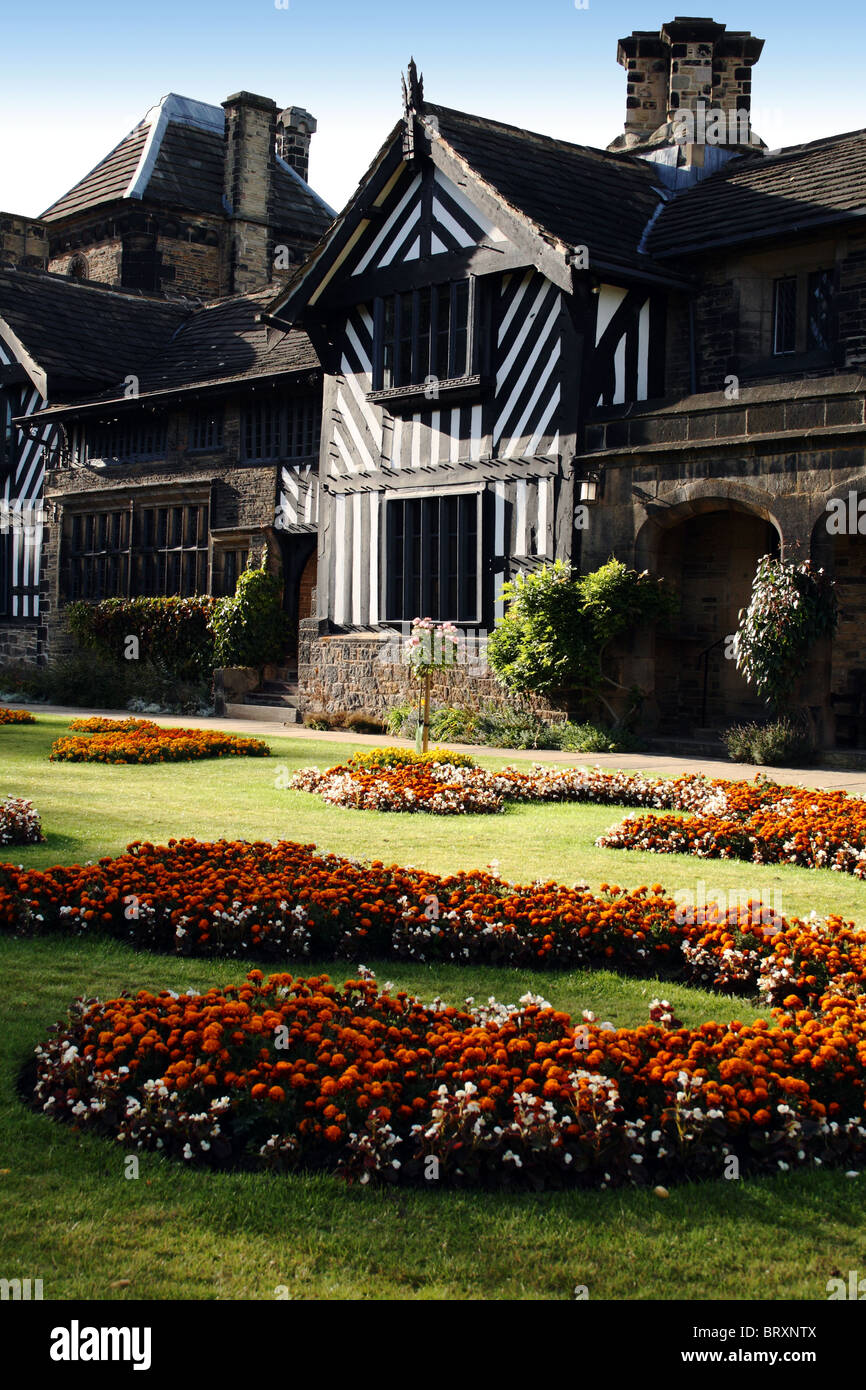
(692, 75)
(250, 134)
(295, 129)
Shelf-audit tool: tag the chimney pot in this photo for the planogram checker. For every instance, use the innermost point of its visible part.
(295, 129)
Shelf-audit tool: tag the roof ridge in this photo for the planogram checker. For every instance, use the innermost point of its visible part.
(155, 297)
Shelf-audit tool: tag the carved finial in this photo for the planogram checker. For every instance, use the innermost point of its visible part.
(413, 103)
(413, 92)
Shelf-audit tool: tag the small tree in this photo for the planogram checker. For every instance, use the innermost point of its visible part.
(791, 607)
(430, 647)
(558, 629)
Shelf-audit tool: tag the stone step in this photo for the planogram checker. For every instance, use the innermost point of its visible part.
(276, 688)
(266, 714)
(268, 697)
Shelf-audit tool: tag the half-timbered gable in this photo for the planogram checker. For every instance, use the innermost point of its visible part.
(484, 284)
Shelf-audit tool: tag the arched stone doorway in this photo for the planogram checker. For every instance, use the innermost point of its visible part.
(709, 558)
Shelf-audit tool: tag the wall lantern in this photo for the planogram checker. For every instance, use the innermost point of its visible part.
(588, 488)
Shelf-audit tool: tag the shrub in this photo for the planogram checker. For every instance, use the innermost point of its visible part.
(174, 634)
(451, 725)
(780, 743)
(513, 726)
(592, 738)
(85, 678)
(402, 721)
(250, 628)
(325, 719)
(557, 629)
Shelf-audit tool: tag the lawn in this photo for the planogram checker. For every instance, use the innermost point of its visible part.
(70, 1217)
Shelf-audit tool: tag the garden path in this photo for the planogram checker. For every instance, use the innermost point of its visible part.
(656, 764)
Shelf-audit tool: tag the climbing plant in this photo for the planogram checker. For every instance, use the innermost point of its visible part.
(790, 608)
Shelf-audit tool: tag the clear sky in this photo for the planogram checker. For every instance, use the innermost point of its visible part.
(77, 77)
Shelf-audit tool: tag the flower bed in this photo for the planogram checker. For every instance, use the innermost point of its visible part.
(15, 716)
(443, 788)
(19, 822)
(289, 1072)
(440, 791)
(143, 741)
(284, 900)
(760, 821)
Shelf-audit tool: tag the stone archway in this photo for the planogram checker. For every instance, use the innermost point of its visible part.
(707, 550)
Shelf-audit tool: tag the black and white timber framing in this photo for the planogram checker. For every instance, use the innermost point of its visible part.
(549, 335)
(22, 475)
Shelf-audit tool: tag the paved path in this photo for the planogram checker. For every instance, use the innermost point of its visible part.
(660, 764)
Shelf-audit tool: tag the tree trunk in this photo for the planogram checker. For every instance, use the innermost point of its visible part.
(425, 739)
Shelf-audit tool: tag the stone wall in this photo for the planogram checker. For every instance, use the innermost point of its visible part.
(103, 261)
(21, 644)
(347, 673)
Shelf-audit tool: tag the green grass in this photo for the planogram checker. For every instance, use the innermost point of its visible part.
(71, 1218)
(89, 810)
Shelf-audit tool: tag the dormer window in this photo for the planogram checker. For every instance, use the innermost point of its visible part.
(423, 336)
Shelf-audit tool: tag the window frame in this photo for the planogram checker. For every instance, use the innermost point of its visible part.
(236, 544)
(8, 444)
(426, 305)
(802, 280)
(204, 415)
(287, 427)
(411, 603)
(155, 425)
(86, 559)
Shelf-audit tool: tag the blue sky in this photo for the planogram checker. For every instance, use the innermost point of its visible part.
(84, 74)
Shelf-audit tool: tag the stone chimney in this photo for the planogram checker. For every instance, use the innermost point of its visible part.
(295, 129)
(692, 78)
(248, 167)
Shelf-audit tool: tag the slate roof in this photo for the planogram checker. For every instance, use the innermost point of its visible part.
(84, 336)
(174, 156)
(576, 194)
(766, 196)
(217, 344)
